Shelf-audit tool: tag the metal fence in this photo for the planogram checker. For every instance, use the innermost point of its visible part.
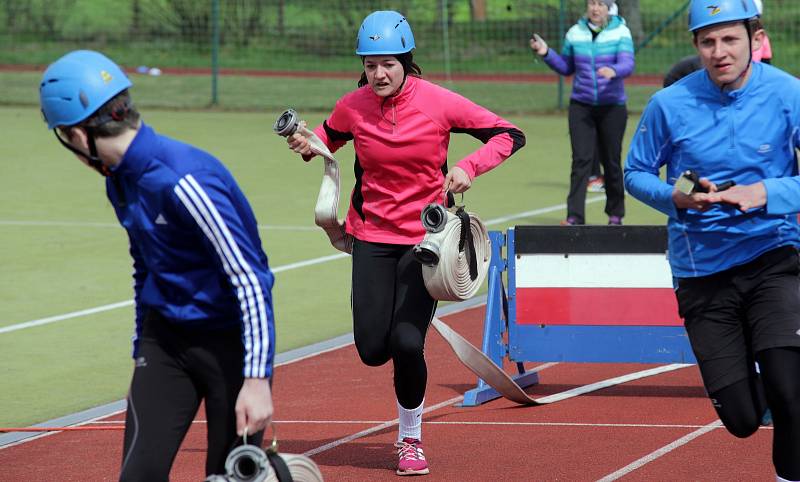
(455, 38)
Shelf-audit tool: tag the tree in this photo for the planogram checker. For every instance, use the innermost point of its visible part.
(477, 10)
(15, 11)
(630, 11)
(281, 20)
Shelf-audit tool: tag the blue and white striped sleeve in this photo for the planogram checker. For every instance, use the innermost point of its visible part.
(211, 204)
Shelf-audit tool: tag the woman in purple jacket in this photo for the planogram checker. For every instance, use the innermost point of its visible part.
(598, 49)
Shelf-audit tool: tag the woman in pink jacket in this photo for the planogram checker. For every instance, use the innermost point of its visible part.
(400, 126)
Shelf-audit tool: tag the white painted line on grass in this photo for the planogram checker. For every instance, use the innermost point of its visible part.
(89, 224)
(537, 212)
(122, 304)
(299, 264)
(660, 452)
(59, 224)
(65, 316)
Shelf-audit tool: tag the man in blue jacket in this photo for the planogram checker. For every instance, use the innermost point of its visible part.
(204, 318)
(733, 252)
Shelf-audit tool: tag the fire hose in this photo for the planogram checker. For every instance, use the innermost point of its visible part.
(250, 463)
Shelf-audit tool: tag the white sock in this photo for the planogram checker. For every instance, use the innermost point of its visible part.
(410, 422)
(778, 478)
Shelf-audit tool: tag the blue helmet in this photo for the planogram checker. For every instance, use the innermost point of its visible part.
(76, 85)
(703, 13)
(384, 33)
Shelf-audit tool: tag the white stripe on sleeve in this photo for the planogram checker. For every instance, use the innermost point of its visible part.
(248, 288)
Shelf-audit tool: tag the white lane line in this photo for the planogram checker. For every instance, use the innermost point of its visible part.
(387, 424)
(299, 264)
(536, 212)
(87, 224)
(611, 382)
(555, 397)
(464, 422)
(376, 428)
(292, 356)
(662, 451)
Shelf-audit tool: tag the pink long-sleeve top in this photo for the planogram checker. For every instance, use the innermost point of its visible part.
(401, 153)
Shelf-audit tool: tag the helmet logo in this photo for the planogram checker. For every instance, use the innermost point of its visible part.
(375, 37)
(106, 76)
(713, 10)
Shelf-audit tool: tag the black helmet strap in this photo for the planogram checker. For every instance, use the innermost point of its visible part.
(92, 157)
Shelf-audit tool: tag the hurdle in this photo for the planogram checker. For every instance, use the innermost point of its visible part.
(597, 294)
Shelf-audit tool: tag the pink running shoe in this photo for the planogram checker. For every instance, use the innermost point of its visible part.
(412, 459)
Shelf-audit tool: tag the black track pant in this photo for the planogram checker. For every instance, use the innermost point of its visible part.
(176, 369)
(596, 131)
(740, 406)
(391, 313)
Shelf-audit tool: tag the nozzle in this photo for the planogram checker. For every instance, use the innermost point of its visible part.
(287, 123)
(427, 253)
(434, 218)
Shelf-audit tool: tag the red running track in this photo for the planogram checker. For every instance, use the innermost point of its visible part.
(342, 413)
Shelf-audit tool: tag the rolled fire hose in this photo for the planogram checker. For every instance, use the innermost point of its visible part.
(251, 463)
(327, 207)
(454, 254)
(447, 282)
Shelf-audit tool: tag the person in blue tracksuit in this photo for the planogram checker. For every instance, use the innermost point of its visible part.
(733, 252)
(204, 318)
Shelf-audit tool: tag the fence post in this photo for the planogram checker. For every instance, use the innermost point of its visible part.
(214, 50)
(562, 18)
(677, 13)
(446, 42)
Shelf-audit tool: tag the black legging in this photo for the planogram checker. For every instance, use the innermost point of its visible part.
(596, 131)
(178, 368)
(740, 406)
(391, 313)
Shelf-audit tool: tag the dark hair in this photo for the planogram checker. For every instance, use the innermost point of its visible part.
(114, 117)
(406, 60)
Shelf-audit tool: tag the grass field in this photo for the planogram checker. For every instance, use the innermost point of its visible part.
(250, 93)
(62, 251)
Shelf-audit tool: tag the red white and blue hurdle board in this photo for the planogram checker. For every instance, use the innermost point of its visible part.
(580, 294)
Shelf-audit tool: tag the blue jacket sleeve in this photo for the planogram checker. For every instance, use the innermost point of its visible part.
(783, 194)
(563, 64)
(223, 216)
(650, 149)
(139, 275)
(625, 61)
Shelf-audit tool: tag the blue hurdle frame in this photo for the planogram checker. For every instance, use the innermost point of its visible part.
(547, 343)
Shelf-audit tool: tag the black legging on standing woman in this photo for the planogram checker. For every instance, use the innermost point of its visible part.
(391, 313)
(599, 127)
